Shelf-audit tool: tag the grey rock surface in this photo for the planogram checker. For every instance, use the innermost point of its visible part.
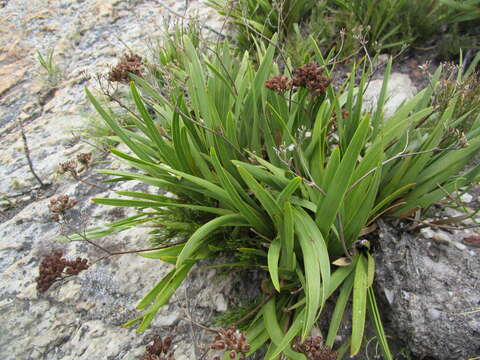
(79, 318)
(400, 88)
(431, 291)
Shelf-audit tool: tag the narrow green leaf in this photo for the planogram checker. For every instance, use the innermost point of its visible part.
(289, 190)
(200, 236)
(152, 294)
(267, 201)
(370, 270)
(173, 250)
(116, 128)
(360, 286)
(273, 257)
(276, 334)
(377, 322)
(287, 234)
(340, 305)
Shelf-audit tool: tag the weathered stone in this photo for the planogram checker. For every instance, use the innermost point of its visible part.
(400, 88)
(432, 292)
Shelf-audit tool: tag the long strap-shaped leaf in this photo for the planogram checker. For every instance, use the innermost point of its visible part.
(360, 286)
(256, 219)
(316, 264)
(281, 340)
(273, 257)
(197, 240)
(329, 206)
(116, 128)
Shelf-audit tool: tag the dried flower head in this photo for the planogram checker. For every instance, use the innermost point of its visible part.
(311, 77)
(69, 166)
(159, 350)
(313, 349)
(233, 341)
(129, 63)
(84, 158)
(54, 268)
(279, 83)
(58, 206)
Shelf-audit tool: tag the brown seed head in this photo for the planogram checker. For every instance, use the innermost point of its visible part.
(68, 166)
(59, 205)
(54, 268)
(159, 350)
(84, 158)
(129, 63)
(313, 349)
(279, 83)
(233, 341)
(311, 77)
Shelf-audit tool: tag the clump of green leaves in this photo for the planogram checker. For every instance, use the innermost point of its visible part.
(354, 25)
(298, 170)
(52, 70)
(262, 19)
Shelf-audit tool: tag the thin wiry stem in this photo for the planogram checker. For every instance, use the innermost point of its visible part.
(398, 156)
(342, 237)
(27, 155)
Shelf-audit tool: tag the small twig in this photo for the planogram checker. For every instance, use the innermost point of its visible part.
(385, 211)
(398, 156)
(342, 238)
(78, 178)
(433, 224)
(253, 311)
(27, 155)
(201, 326)
(189, 315)
(260, 235)
(114, 253)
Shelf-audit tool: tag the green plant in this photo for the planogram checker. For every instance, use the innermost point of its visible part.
(464, 11)
(298, 169)
(265, 18)
(53, 71)
(349, 25)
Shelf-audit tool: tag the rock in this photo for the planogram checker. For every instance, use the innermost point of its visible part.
(466, 198)
(430, 290)
(400, 88)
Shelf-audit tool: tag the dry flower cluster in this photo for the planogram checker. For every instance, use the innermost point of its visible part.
(310, 76)
(58, 206)
(54, 268)
(129, 64)
(159, 350)
(313, 349)
(231, 340)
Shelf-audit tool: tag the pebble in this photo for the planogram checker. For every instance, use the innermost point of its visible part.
(466, 198)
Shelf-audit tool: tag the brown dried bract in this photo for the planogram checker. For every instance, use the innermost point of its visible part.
(231, 340)
(311, 76)
(69, 166)
(159, 350)
(313, 349)
(129, 63)
(279, 83)
(54, 268)
(84, 158)
(58, 206)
